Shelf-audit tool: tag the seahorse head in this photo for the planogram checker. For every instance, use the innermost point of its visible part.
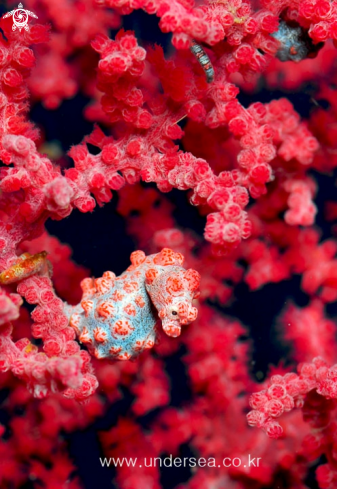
(172, 291)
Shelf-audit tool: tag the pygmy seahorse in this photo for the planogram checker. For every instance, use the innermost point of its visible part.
(116, 317)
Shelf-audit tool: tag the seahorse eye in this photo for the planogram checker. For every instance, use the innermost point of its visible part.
(174, 313)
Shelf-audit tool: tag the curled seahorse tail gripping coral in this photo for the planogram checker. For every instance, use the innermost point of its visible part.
(116, 318)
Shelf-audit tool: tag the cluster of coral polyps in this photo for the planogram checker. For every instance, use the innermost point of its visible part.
(259, 176)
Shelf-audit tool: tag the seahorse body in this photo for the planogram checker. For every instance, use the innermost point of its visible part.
(117, 315)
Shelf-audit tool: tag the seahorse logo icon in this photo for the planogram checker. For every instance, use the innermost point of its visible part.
(20, 18)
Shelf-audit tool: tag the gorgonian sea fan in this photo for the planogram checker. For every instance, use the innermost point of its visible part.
(115, 358)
